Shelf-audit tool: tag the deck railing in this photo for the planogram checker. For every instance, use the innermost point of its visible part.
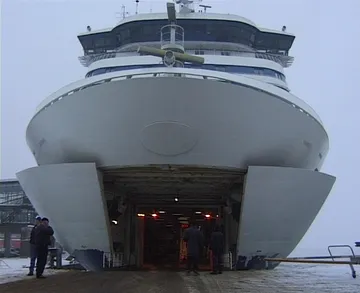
(113, 260)
(285, 61)
(180, 73)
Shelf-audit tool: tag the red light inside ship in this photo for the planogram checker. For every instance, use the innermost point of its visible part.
(207, 216)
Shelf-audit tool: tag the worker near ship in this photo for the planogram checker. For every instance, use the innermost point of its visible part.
(217, 244)
(33, 246)
(194, 242)
(43, 233)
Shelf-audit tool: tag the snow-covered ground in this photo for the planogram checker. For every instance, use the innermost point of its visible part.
(286, 278)
(15, 269)
(307, 278)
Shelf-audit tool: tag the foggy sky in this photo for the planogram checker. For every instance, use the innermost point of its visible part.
(39, 51)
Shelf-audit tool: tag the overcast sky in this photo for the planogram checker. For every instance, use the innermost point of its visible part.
(39, 51)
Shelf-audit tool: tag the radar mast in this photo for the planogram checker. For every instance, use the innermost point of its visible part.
(187, 6)
(172, 43)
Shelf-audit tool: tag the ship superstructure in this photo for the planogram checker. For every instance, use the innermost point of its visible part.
(230, 43)
(187, 112)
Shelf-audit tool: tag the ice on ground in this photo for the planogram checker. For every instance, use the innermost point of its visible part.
(15, 269)
(305, 278)
(284, 279)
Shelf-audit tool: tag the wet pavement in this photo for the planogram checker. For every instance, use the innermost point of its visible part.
(286, 278)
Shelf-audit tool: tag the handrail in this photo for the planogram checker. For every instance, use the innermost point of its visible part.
(353, 258)
(113, 260)
(341, 246)
(185, 73)
(284, 61)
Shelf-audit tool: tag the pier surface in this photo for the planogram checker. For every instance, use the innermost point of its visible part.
(287, 278)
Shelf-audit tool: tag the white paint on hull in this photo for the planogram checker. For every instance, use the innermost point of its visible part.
(278, 207)
(185, 73)
(193, 122)
(70, 195)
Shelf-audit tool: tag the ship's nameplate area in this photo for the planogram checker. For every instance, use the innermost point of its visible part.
(168, 138)
(278, 206)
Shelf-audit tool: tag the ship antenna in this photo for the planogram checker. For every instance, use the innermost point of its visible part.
(137, 6)
(205, 7)
(123, 9)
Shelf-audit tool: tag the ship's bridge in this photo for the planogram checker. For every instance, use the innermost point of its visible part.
(203, 31)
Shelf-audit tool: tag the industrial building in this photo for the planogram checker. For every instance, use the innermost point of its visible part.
(16, 214)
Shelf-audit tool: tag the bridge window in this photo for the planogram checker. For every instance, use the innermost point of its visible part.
(223, 68)
(196, 30)
(102, 70)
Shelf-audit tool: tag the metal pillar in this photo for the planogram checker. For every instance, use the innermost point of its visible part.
(139, 241)
(127, 226)
(7, 242)
(130, 236)
(227, 232)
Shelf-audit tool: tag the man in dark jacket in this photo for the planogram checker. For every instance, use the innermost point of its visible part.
(33, 246)
(217, 244)
(43, 232)
(194, 240)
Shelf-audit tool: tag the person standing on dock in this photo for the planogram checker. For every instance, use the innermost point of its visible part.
(43, 232)
(33, 246)
(217, 244)
(194, 240)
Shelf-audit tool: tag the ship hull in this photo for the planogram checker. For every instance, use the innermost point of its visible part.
(273, 140)
(277, 207)
(171, 120)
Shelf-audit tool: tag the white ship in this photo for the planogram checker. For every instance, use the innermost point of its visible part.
(183, 114)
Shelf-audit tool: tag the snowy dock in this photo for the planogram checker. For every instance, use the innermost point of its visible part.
(285, 278)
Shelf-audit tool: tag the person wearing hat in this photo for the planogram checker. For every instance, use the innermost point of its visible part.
(33, 246)
(43, 232)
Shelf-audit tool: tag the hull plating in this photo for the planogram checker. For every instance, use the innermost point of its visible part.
(277, 208)
(179, 121)
(171, 120)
